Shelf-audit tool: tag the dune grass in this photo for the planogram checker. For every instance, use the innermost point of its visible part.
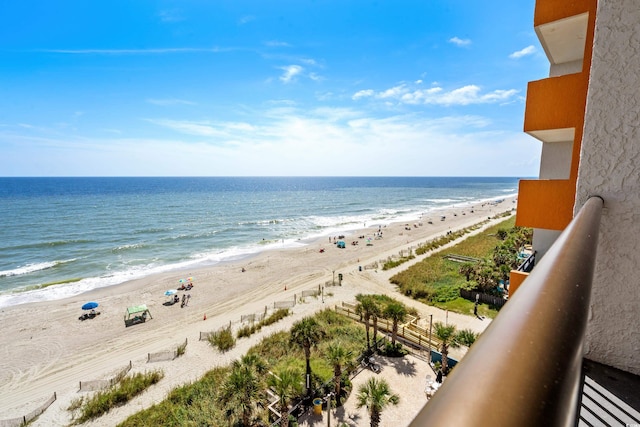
(222, 339)
(199, 403)
(248, 330)
(103, 401)
(437, 281)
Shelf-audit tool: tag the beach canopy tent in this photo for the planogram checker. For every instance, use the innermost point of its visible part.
(341, 244)
(137, 314)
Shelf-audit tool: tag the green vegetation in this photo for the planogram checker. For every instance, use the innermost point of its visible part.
(437, 280)
(227, 396)
(306, 333)
(248, 330)
(222, 339)
(373, 307)
(376, 395)
(287, 385)
(118, 395)
(394, 263)
(182, 348)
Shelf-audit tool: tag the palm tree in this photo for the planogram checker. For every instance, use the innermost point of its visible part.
(306, 333)
(286, 384)
(397, 312)
(365, 307)
(446, 334)
(242, 388)
(337, 356)
(376, 395)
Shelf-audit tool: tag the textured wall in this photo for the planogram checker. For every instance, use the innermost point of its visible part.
(609, 167)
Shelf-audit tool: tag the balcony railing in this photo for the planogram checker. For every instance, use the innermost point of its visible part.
(528, 264)
(525, 369)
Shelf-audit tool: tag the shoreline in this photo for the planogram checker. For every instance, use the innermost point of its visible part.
(49, 350)
(64, 288)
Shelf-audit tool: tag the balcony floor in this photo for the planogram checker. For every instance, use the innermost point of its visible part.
(610, 397)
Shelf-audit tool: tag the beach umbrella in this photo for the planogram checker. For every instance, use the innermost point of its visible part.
(181, 281)
(190, 279)
(170, 292)
(90, 305)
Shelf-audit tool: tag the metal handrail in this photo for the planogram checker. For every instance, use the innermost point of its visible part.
(524, 370)
(528, 264)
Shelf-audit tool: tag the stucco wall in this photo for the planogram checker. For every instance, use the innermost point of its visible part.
(610, 167)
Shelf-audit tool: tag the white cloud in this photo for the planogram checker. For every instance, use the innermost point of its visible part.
(276, 43)
(460, 42)
(286, 140)
(363, 94)
(529, 50)
(221, 131)
(290, 72)
(466, 95)
(393, 92)
(171, 101)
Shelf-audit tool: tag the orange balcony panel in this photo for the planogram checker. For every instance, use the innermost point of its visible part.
(556, 103)
(545, 204)
(515, 280)
(553, 10)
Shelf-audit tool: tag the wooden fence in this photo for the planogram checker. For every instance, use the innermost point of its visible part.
(103, 384)
(166, 355)
(25, 419)
(483, 298)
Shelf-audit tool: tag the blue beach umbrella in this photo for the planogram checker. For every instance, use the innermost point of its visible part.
(170, 292)
(90, 305)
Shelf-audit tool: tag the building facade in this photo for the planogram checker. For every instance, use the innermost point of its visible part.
(587, 116)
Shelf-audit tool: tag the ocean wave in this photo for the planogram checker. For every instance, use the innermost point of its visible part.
(264, 222)
(49, 244)
(441, 200)
(128, 247)
(30, 268)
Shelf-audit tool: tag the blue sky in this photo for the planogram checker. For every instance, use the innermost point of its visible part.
(262, 88)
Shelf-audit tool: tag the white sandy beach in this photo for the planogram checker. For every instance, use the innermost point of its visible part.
(46, 349)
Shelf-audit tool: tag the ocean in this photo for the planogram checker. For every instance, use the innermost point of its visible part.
(63, 236)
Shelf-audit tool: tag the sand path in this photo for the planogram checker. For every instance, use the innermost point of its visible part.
(46, 349)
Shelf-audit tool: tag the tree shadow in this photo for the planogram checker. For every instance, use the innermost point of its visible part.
(342, 417)
(402, 365)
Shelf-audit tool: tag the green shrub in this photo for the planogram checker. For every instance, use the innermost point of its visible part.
(118, 395)
(276, 316)
(248, 330)
(182, 348)
(391, 350)
(394, 263)
(222, 339)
